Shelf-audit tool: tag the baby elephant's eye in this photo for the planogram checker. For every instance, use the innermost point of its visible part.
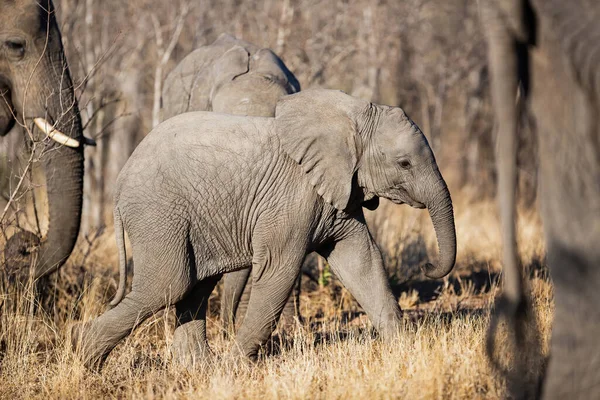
(405, 164)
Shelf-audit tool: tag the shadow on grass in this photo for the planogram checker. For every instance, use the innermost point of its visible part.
(479, 280)
(351, 324)
(348, 329)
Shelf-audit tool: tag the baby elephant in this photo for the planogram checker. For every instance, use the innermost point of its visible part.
(205, 194)
(232, 76)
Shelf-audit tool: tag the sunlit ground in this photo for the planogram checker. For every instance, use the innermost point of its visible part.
(332, 353)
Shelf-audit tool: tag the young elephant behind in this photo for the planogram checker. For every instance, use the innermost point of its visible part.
(206, 194)
(231, 76)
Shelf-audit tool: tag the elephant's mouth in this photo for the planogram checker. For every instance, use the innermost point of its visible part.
(400, 196)
(8, 115)
(410, 202)
(371, 204)
(416, 204)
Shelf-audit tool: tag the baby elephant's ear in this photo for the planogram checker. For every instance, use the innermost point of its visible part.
(318, 129)
(267, 64)
(233, 63)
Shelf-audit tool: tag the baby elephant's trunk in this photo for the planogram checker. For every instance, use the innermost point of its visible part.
(442, 217)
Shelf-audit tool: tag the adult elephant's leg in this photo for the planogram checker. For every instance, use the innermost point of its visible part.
(234, 285)
(575, 354)
(357, 262)
(189, 341)
(274, 272)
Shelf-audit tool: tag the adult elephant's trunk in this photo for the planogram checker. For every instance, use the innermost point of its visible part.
(55, 111)
(442, 217)
(63, 167)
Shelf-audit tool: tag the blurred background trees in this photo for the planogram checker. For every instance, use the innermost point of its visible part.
(427, 56)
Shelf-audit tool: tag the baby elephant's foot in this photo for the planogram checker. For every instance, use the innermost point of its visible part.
(241, 353)
(86, 346)
(189, 347)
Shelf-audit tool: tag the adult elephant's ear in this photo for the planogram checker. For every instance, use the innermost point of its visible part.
(318, 129)
(233, 63)
(267, 64)
(7, 119)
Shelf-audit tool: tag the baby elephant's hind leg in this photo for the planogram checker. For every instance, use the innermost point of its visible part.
(161, 278)
(94, 340)
(189, 341)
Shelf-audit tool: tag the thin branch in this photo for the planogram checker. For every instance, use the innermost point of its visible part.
(100, 107)
(103, 132)
(164, 57)
(19, 184)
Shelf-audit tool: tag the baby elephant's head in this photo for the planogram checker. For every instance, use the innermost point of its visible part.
(354, 151)
(246, 84)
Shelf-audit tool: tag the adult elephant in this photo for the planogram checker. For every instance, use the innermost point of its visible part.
(234, 77)
(551, 50)
(37, 93)
(206, 194)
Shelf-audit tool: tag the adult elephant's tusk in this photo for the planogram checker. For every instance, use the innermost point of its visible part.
(54, 134)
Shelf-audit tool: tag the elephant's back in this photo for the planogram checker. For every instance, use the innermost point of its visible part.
(205, 134)
(187, 87)
(195, 147)
(209, 174)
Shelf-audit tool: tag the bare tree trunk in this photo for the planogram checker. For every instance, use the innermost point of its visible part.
(367, 87)
(128, 129)
(89, 187)
(283, 30)
(164, 55)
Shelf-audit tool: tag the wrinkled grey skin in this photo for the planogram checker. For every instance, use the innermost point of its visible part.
(35, 82)
(551, 48)
(237, 288)
(228, 76)
(231, 76)
(206, 194)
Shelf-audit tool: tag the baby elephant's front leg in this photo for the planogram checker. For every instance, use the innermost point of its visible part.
(357, 262)
(274, 272)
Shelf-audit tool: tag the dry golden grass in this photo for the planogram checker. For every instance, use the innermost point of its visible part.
(333, 353)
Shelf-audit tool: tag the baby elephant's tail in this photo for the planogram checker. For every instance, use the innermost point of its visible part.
(119, 233)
